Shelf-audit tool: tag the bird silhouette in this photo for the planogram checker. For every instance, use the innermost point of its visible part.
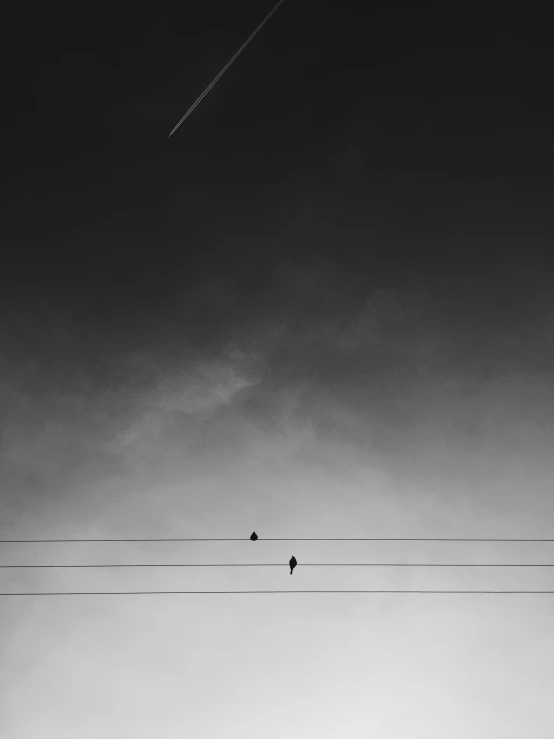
(292, 563)
(253, 536)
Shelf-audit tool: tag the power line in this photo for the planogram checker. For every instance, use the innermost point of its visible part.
(283, 564)
(410, 539)
(165, 539)
(289, 592)
(78, 541)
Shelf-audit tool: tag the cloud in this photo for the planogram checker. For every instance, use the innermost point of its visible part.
(320, 372)
(179, 402)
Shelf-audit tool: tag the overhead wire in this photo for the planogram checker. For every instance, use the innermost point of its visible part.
(279, 564)
(288, 592)
(275, 564)
(181, 539)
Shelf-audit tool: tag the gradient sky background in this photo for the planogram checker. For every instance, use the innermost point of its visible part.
(323, 307)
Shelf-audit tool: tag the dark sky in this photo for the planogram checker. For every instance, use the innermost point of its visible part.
(413, 145)
(348, 153)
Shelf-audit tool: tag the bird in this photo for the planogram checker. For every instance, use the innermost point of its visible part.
(253, 536)
(292, 563)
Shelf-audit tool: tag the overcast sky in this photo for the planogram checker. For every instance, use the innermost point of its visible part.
(323, 308)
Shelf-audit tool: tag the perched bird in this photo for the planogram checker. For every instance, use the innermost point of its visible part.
(292, 563)
(253, 536)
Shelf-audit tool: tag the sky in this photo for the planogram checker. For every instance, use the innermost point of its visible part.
(322, 308)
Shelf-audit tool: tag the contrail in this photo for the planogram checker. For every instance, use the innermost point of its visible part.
(225, 68)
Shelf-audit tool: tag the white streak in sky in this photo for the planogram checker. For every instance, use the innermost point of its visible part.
(225, 68)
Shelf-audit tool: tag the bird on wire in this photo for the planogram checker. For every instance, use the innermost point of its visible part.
(292, 563)
(253, 536)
